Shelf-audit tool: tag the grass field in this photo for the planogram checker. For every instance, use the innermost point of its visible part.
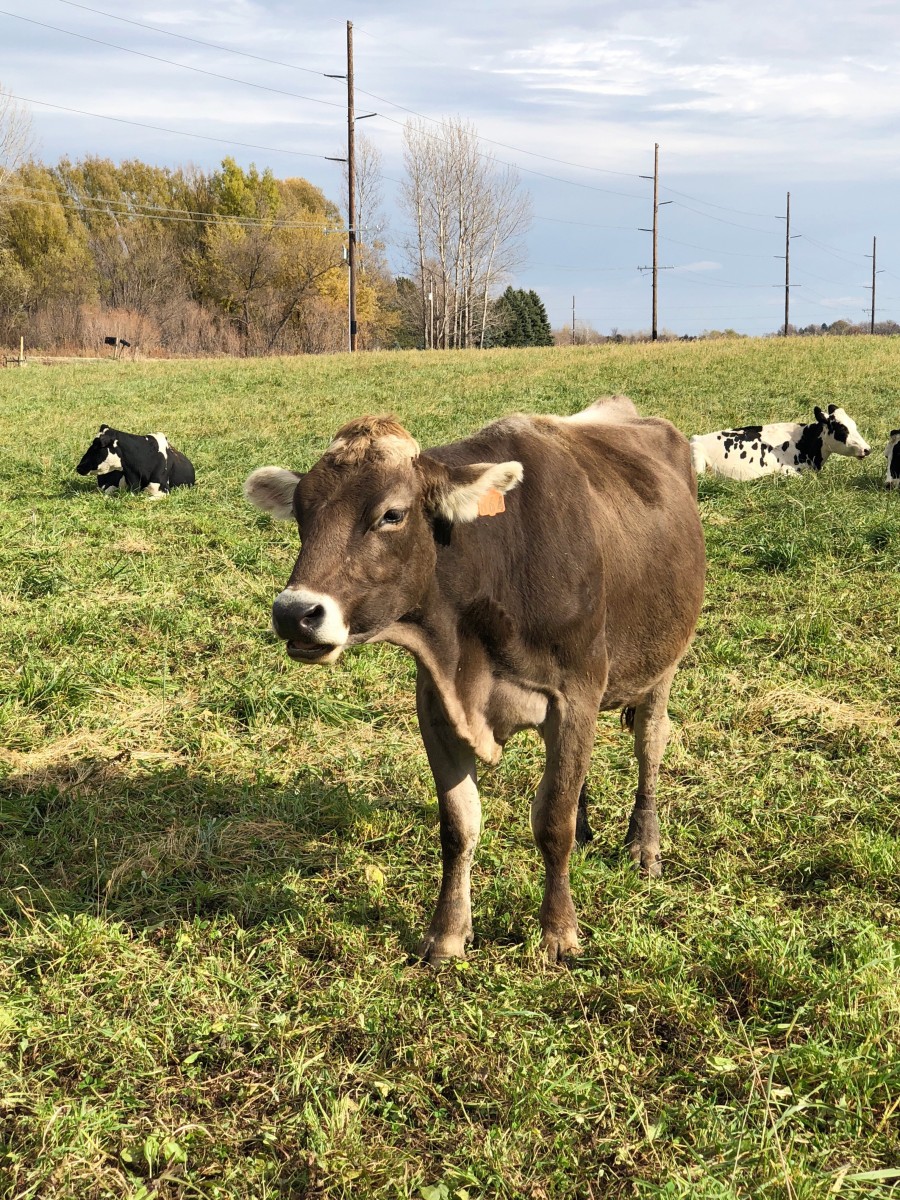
(214, 864)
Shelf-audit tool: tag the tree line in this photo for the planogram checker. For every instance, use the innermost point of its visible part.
(179, 260)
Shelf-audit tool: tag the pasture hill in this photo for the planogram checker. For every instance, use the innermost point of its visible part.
(214, 864)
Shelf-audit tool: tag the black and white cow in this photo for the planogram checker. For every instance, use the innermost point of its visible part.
(786, 448)
(892, 454)
(136, 462)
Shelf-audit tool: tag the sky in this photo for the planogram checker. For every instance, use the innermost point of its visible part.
(746, 102)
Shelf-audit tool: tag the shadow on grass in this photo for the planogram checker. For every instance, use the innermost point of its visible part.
(144, 845)
(867, 483)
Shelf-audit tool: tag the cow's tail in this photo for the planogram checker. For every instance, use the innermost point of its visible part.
(698, 458)
(626, 719)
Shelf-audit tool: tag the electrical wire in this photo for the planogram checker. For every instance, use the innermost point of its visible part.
(162, 129)
(79, 206)
(274, 62)
(358, 91)
(170, 62)
(131, 208)
(529, 170)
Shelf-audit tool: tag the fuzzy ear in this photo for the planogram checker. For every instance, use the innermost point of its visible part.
(458, 494)
(272, 489)
(820, 416)
(832, 408)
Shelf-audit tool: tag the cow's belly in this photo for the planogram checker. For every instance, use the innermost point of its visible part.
(512, 707)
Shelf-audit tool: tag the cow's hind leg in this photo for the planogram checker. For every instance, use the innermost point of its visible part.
(651, 733)
(569, 737)
(452, 764)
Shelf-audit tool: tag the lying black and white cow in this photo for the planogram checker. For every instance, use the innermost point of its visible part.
(786, 448)
(892, 454)
(136, 462)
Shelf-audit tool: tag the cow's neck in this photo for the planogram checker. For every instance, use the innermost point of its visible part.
(811, 445)
(431, 636)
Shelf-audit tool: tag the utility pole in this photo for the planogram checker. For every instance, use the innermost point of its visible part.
(874, 273)
(573, 320)
(351, 186)
(654, 332)
(787, 264)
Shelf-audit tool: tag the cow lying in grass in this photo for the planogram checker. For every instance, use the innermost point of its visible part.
(787, 448)
(137, 462)
(539, 570)
(892, 454)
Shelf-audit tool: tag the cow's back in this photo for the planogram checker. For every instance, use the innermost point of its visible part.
(600, 548)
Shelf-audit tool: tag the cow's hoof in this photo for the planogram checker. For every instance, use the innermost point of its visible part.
(436, 948)
(647, 861)
(557, 947)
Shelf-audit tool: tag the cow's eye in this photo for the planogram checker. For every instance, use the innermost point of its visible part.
(393, 516)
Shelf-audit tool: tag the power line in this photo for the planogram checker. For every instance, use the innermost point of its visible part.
(197, 41)
(712, 250)
(843, 255)
(163, 129)
(710, 217)
(292, 66)
(169, 62)
(518, 166)
(709, 204)
(586, 224)
(77, 204)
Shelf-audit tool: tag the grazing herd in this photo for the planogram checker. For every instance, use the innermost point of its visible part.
(539, 571)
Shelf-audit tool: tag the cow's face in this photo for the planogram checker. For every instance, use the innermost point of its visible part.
(369, 514)
(840, 435)
(101, 456)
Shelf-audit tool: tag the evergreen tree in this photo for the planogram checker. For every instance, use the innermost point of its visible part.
(520, 319)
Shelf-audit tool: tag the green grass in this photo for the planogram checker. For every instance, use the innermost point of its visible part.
(215, 865)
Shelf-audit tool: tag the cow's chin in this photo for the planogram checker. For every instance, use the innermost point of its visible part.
(313, 653)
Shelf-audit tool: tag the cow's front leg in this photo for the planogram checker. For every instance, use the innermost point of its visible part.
(569, 737)
(651, 734)
(452, 764)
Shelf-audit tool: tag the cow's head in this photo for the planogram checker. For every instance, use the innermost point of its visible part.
(839, 433)
(101, 455)
(370, 513)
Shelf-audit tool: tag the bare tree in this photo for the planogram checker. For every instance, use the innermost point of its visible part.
(369, 220)
(469, 218)
(15, 136)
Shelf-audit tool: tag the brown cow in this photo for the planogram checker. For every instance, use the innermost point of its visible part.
(582, 595)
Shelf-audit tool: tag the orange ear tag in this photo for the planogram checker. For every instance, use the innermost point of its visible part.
(491, 503)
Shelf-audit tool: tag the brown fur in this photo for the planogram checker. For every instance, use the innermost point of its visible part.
(582, 595)
(382, 438)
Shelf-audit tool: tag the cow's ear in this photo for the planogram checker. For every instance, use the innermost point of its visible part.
(461, 494)
(272, 489)
(832, 409)
(820, 416)
(894, 433)
(103, 429)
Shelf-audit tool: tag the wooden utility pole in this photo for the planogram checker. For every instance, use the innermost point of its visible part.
(653, 329)
(655, 268)
(872, 315)
(787, 265)
(573, 320)
(351, 187)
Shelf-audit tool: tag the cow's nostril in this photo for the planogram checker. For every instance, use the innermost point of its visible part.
(312, 618)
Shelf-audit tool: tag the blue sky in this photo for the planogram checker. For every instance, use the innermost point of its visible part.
(745, 101)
